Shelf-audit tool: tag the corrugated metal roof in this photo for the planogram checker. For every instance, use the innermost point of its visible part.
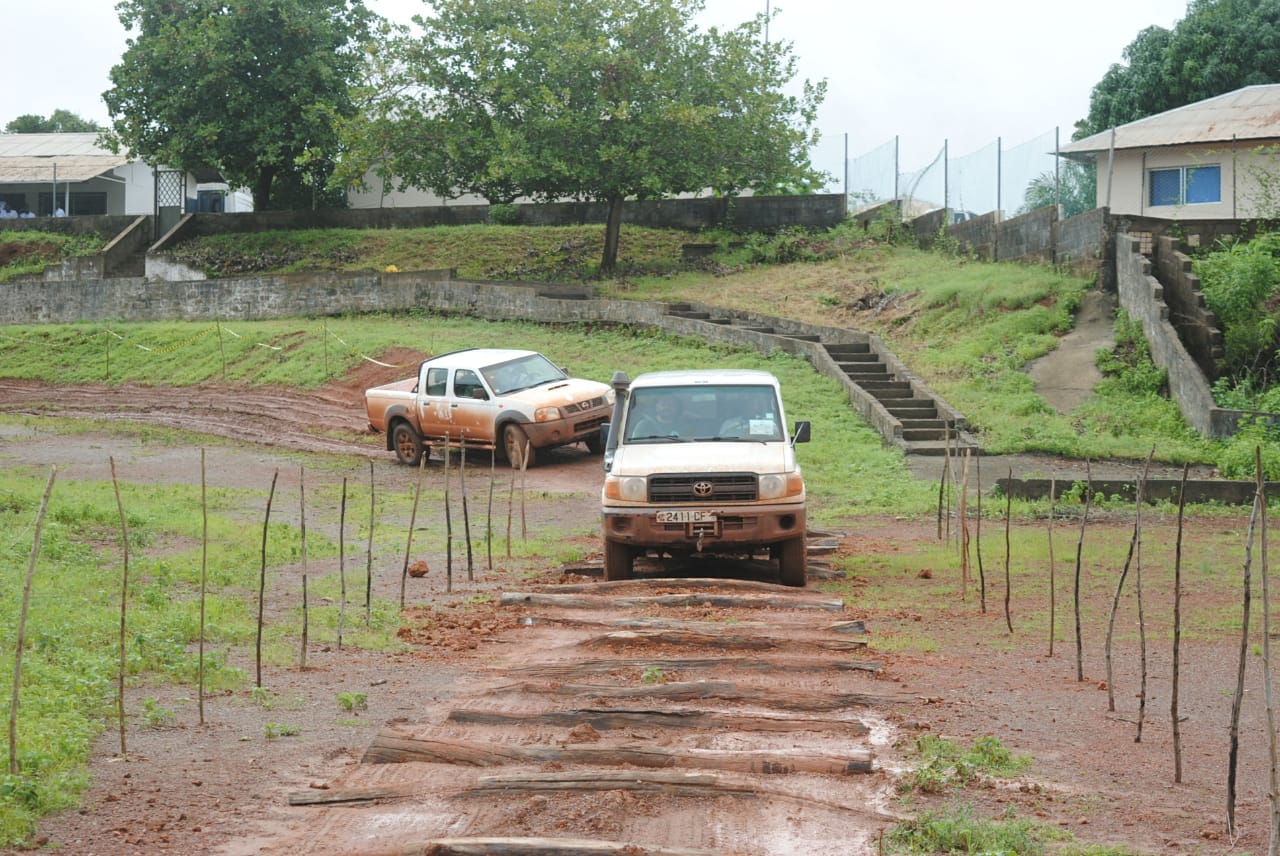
(1249, 115)
(32, 157)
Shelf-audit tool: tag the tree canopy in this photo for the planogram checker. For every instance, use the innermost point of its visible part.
(1074, 188)
(602, 100)
(1220, 46)
(251, 88)
(59, 121)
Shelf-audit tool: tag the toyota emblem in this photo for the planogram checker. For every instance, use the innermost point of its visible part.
(703, 488)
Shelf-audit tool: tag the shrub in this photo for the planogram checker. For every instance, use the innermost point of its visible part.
(504, 214)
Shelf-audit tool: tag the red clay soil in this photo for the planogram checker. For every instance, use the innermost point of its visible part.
(224, 787)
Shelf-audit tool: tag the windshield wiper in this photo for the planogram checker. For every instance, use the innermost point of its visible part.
(674, 438)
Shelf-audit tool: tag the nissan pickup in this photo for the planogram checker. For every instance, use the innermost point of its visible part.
(699, 462)
(490, 398)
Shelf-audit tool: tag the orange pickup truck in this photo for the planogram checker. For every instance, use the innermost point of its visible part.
(507, 399)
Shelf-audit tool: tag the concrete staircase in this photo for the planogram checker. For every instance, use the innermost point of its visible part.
(909, 416)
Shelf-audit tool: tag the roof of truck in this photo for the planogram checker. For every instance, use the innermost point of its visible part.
(705, 377)
(478, 358)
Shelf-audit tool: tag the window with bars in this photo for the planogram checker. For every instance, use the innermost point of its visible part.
(1185, 185)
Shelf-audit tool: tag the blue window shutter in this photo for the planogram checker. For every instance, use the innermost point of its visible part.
(1204, 184)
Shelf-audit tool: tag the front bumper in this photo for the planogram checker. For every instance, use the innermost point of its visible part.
(734, 527)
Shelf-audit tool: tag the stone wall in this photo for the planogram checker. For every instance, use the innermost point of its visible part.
(1142, 296)
(744, 213)
(1084, 244)
(1196, 325)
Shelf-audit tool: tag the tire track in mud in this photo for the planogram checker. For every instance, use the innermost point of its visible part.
(609, 721)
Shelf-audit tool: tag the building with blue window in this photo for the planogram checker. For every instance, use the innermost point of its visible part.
(1217, 159)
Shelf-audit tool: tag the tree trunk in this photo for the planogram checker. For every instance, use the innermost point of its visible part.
(262, 190)
(612, 227)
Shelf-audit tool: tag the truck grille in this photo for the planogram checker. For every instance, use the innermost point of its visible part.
(580, 406)
(691, 487)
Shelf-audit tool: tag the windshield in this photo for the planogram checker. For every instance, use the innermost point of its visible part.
(704, 413)
(521, 373)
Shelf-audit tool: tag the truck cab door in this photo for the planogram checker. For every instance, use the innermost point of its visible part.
(474, 409)
(434, 414)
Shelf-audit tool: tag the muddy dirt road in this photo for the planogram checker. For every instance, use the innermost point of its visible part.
(537, 702)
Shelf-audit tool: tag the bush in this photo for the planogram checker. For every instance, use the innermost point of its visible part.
(504, 214)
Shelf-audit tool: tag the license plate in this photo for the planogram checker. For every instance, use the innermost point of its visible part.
(687, 516)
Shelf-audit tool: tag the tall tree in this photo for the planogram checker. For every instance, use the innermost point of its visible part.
(251, 88)
(1220, 46)
(59, 122)
(604, 100)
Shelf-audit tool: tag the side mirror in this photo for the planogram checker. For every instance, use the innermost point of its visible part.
(802, 432)
(479, 394)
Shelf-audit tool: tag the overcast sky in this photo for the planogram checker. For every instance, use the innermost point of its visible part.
(924, 71)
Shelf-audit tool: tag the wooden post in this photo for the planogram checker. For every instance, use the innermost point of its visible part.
(963, 520)
(204, 578)
(124, 602)
(342, 561)
(22, 624)
(448, 521)
(413, 516)
(1142, 618)
(368, 565)
(977, 535)
(1124, 573)
(511, 498)
(488, 518)
(1177, 631)
(302, 524)
(1274, 778)
(262, 581)
(524, 466)
(466, 516)
(1008, 515)
(1084, 519)
(1233, 753)
(1053, 586)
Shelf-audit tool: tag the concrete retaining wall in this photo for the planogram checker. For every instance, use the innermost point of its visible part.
(1196, 325)
(1142, 296)
(744, 213)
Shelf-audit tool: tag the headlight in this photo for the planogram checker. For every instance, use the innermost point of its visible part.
(546, 414)
(777, 486)
(629, 488)
(609, 397)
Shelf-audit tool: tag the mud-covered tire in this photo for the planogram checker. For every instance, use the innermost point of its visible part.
(514, 442)
(595, 444)
(793, 560)
(407, 444)
(618, 561)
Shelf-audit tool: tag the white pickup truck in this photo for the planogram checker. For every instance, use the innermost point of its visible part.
(700, 462)
(508, 399)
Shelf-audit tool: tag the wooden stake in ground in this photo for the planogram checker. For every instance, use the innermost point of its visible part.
(488, 517)
(1142, 617)
(342, 561)
(511, 499)
(21, 641)
(262, 581)
(1084, 519)
(302, 525)
(466, 516)
(1053, 588)
(448, 521)
(524, 467)
(1233, 753)
(413, 516)
(1274, 790)
(942, 482)
(1008, 514)
(977, 534)
(963, 518)
(204, 581)
(1177, 631)
(124, 602)
(1124, 573)
(368, 564)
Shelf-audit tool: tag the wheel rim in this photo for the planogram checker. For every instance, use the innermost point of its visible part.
(515, 444)
(406, 445)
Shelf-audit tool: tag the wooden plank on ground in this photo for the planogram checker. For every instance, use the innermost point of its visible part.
(510, 846)
(720, 601)
(392, 747)
(608, 719)
(782, 699)
(690, 664)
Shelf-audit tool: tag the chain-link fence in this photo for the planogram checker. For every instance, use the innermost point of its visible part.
(992, 178)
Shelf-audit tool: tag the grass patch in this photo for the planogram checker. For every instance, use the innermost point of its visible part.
(959, 829)
(27, 253)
